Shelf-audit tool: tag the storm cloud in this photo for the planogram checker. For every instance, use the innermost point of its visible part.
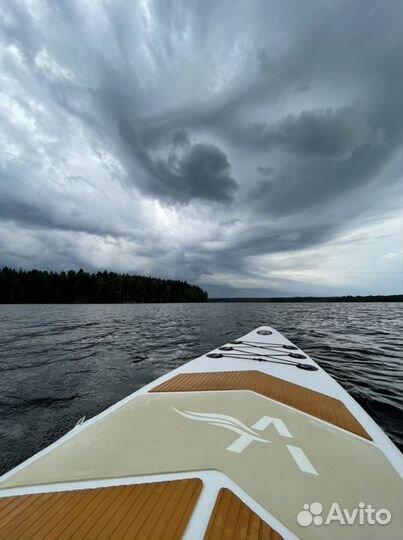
(328, 133)
(251, 147)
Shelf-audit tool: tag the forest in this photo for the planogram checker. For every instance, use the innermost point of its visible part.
(71, 287)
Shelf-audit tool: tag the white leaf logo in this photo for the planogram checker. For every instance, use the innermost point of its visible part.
(247, 435)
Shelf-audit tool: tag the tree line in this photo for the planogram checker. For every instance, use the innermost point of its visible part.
(291, 299)
(42, 287)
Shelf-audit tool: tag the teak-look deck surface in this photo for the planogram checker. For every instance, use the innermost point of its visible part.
(314, 403)
(154, 511)
(232, 519)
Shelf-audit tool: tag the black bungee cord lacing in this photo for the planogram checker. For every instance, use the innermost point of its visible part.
(272, 358)
(261, 345)
(249, 353)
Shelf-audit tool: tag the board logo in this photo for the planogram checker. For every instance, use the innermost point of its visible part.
(249, 435)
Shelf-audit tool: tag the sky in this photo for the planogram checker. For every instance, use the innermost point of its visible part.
(251, 147)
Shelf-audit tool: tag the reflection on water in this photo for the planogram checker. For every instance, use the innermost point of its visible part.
(61, 362)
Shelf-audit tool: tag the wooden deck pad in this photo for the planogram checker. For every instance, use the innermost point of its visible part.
(263, 446)
(234, 520)
(319, 405)
(154, 511)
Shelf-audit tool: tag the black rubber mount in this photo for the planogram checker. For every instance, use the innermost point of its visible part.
(307, 367)
(214, 355)
(226, 348)
(264, 332)
(290, 347)
(297, 355)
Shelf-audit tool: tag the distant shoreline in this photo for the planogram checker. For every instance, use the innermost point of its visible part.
(313, 299)
(71, 287)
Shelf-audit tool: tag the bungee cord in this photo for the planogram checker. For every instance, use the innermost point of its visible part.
(275, 355)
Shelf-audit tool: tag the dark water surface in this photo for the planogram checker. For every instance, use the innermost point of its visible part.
(61, 362)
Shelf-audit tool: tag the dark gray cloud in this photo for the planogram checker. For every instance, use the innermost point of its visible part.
(187, 171)
(180, 138)
(203, 171)
(123, 147)
(328, 133)
(265, 171)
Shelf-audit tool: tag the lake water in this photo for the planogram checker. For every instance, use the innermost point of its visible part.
(61, 362)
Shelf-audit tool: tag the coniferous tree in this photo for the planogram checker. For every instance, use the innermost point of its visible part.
(37, 286)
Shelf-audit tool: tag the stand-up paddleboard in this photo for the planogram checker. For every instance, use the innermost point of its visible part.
(251, 441)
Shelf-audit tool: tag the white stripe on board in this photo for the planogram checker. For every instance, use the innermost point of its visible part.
(301, 460)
